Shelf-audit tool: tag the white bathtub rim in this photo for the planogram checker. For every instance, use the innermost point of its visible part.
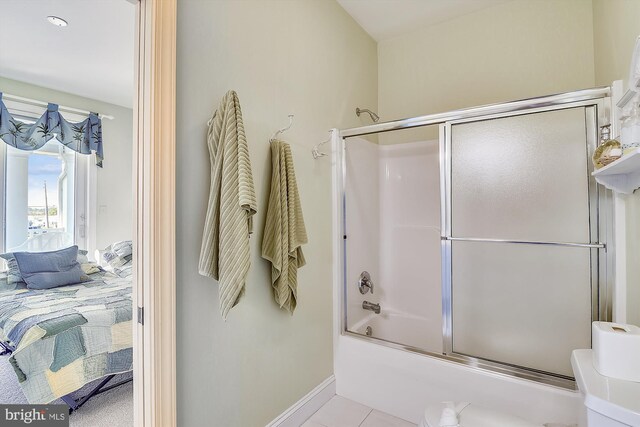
(414, 370)
(386, 345)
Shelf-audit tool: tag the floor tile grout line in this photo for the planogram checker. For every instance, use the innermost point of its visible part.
(367, 416)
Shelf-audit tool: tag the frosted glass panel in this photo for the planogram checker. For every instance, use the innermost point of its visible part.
(525, 305)
(522, 178)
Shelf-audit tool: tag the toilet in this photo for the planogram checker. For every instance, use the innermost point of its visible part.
(471, 415)
(608, 402)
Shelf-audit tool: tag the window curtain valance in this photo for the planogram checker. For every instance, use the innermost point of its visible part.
(84, 137)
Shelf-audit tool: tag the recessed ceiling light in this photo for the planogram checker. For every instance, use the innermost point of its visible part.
(58, 22)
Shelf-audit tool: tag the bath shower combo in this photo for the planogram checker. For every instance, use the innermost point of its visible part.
(468, 221)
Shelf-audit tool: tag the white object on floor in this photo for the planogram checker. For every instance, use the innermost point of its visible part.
(341, 412)
(608, 402)
(449, 417)
(616, 350)
(471, 416)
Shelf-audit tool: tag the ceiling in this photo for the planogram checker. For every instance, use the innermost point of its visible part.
(92, 57)
(384, 19)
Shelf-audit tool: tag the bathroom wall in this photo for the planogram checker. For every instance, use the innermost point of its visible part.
(514, 50)
(307, 58)
(114, 181)
(616, 26)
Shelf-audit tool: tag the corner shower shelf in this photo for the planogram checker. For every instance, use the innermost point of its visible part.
(623, 175)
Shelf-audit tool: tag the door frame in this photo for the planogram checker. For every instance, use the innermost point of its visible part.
(154, 212)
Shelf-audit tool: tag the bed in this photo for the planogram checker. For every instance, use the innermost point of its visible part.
(63, 338)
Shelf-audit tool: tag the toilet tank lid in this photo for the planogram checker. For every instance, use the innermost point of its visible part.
(613, 398)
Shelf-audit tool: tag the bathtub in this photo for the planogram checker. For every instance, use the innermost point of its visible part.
(402, 379)
(403, 383)
(400, 328)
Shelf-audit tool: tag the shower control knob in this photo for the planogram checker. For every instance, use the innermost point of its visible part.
(364, 283)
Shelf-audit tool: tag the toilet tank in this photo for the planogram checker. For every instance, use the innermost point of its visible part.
(608, 402)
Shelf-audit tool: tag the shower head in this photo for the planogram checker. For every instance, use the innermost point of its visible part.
(373, 115)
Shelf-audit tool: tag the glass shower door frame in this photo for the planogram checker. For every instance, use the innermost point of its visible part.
(603, 202)
(600, 233)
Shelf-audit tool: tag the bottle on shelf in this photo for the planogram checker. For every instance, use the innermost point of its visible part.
(630, 131)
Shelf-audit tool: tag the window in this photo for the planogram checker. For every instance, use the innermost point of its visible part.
(39, 198)
(45, 201)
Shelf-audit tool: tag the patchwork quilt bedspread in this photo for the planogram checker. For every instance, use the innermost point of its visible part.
(69, 336)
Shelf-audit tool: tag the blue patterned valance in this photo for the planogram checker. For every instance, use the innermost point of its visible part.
(84, 137)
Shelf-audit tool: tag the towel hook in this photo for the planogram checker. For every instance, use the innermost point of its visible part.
(316, 153)
(284, 129)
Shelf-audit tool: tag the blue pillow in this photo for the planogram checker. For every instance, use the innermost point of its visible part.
(46, 270)
(13, 272)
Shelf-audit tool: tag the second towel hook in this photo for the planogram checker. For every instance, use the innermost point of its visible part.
(284, 129)
(316, 150)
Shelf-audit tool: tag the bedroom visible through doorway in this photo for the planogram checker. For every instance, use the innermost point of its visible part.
(67, 210)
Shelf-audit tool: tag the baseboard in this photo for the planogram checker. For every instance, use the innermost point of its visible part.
(304, 408)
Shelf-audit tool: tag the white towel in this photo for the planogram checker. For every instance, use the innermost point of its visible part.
(224, 254)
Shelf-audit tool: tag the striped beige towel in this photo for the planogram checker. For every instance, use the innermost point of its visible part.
(284, 231)
(224, 254)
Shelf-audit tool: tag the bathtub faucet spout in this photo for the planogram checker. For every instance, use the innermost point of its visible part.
(371, 306)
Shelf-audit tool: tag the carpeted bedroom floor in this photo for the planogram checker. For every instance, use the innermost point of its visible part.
(113, 408)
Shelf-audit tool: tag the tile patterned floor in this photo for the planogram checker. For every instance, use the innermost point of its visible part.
(341, 412)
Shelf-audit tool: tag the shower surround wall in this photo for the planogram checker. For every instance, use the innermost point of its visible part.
(363, 225)
(393, 232)
(410, 238)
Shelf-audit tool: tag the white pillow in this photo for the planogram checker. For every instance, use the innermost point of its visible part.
(117, 258)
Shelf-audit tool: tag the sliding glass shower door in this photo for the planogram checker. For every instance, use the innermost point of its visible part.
(489, 246)
(520, 240)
